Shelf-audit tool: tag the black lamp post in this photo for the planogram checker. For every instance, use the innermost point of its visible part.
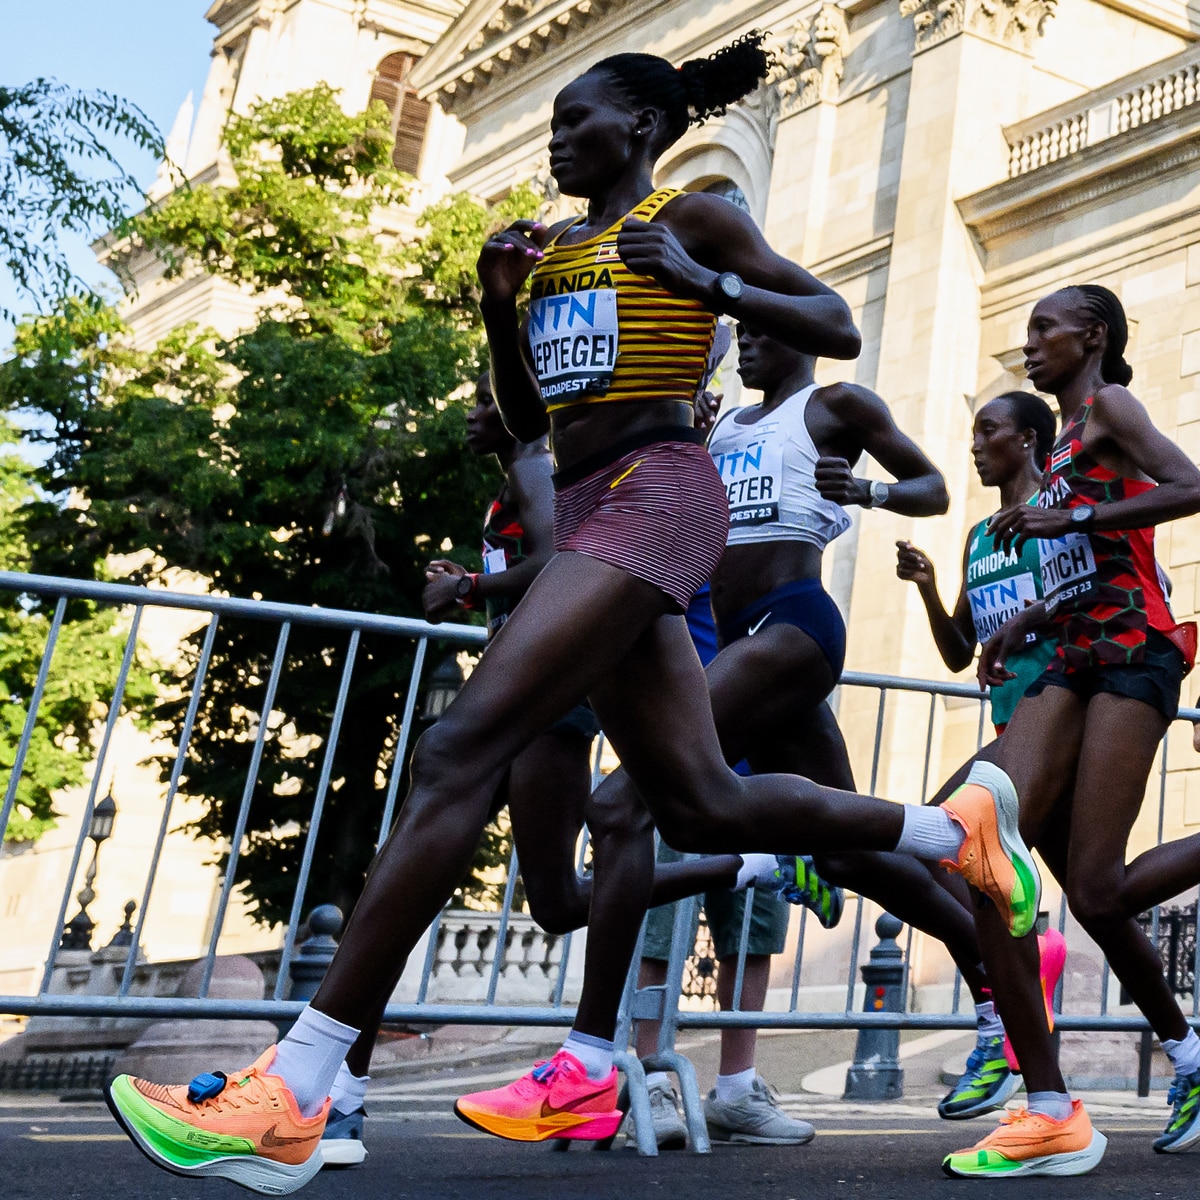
(78, 932)
(444, 684)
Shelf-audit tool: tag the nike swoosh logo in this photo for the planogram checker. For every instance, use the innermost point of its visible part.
(757, 625)
(626, 474)
(271, 1138)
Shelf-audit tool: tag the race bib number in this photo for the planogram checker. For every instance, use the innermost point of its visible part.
(994, 603)
(1068, 566)
(495, 561)
(574, 340)
(752, 476)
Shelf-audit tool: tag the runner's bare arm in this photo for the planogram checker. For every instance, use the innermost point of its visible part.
(919, 490)
(953, 633)
(698, 237)
(1124, 430)
(532, 492)
(505, 263)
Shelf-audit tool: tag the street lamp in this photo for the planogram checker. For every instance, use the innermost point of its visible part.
(444, 684)
(78, 932)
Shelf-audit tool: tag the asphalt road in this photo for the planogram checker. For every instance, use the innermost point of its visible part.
(52, 1150)
(55, 1151)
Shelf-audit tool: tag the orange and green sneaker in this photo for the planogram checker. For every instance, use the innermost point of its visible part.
(993, 857)
(245, 1127)
(1028, 1143)
(555, 1100)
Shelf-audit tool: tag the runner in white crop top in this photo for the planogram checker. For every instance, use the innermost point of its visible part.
(769, 472)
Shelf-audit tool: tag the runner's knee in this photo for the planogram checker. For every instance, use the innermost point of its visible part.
(1096, 902)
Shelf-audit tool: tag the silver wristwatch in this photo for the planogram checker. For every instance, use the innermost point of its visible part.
(879, 493)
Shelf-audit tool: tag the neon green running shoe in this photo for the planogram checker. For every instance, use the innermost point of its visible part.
(796, 880)
(245, 1127)
(1183, 1129)
(986, 1084)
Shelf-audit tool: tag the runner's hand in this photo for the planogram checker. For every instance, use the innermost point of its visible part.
(508, 258)
(837, 482)
(1008, 639)
(440, 597)
(914, 565)
(1196, 736)
(1013, 526)
(706, 407)
(650, 248)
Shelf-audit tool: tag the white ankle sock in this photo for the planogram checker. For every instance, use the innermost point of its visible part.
(595, 1053)
(1184, 1053)
(734, 1087)
(1055, 1105)
(929, 833)
(988, 1020)
(658, 1079)
(756, 869)
(349, 1091)
(307, 1060)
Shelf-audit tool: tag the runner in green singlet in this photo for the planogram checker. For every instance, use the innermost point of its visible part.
(1012, 437)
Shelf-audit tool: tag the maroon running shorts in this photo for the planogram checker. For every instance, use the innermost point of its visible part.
(658, 511)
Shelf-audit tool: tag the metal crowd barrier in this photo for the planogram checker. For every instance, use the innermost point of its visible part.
(348, 628)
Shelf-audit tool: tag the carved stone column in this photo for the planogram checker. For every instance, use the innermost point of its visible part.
(1014, 23)
(810, 63)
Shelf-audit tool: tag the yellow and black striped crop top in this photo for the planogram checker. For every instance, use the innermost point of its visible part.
(599, 332)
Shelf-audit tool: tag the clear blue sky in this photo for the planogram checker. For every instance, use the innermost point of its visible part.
(153, 52)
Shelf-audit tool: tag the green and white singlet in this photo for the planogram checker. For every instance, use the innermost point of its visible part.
(1000, 585)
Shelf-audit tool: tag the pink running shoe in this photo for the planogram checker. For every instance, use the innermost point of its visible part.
(555, 1100)
(1052, 950)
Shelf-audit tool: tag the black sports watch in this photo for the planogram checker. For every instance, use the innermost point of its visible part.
(464, 589)
(1083, 514)
(728, 288)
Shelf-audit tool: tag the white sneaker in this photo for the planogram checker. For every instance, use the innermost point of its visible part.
(670, 1132)
(754, 1119)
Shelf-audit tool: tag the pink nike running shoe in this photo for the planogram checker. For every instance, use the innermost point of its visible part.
(1052, 952)
(555, 1100)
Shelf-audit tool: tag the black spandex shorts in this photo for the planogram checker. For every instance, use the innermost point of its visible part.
(1155, 681)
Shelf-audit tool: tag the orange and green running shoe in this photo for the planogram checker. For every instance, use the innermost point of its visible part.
(1028, 1143)
(993, 857)
(555, 1100)
(244, 1127)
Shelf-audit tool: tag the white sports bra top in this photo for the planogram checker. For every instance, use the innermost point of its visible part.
(768, 469)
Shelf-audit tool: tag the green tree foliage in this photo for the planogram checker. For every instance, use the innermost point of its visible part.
(58, 173)
(80, 684)
(315, 459)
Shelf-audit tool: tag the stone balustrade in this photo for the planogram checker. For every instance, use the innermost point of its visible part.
(1128, 103)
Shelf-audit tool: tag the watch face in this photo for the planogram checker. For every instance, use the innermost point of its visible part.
(731, 285)
(1081, 513)
(463, 587)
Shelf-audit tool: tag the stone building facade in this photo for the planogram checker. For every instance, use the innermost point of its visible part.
(943, 163)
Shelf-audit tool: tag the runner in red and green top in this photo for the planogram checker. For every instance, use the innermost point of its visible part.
(1085, 736)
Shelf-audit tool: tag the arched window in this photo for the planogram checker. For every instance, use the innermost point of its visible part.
(410, 115)
(731, 192)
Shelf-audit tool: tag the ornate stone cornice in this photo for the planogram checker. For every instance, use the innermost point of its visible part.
(1015, 23)
(491, 39)
(810, 63)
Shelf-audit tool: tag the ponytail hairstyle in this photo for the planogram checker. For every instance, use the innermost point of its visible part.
(1102, 305)
(701, 88)
(1030, 411)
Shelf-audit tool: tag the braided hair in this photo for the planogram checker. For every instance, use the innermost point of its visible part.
(1102, 305)
(1032, 412)
(701, 88)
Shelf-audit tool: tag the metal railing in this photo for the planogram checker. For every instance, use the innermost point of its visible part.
(815, 976)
